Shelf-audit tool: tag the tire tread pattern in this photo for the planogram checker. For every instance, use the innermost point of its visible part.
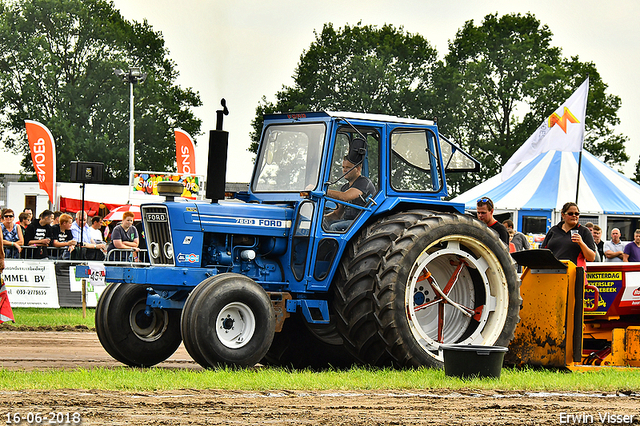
(366, 287)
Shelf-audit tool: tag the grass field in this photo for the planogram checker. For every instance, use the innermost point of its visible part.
(54, 318)
(265, 379)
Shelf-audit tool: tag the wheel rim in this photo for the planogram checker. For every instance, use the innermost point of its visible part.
(235, 325)
(456, 293)
(148, 327)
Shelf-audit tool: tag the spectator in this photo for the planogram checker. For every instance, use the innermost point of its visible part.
(568, 240)
(124, 236)
(39, 235)
(143, 239)
(614, 249)
(23, 221)
(99, 246)
(512, 247)
(29, 213)
(631, 252)
(597, 238)
(1, 267)
(484, 208)
(56, 217)
(519, 240)
(12, 237)
(589, 226)
(82, 238)
(62, 236)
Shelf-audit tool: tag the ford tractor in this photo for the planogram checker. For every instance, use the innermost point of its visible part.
(291, 272)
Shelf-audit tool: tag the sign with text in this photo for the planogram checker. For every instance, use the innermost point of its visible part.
(147, 183)
(185, 153)
(95, 283)
(43, 154)
(609, 284)
(31, 284)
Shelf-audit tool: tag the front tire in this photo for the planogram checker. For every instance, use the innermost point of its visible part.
(417, 280)
(130, 335)
(228, 321)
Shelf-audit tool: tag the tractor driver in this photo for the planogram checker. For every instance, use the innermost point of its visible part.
(356, 191)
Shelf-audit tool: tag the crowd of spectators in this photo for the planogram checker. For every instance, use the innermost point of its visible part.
(568, 240)
(58, 235)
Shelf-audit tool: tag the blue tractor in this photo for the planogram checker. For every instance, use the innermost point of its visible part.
(293, 272)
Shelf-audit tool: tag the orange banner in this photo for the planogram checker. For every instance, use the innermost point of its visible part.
(185, 153)
(43, 154)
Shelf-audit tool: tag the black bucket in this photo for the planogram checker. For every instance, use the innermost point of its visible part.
(470, 361)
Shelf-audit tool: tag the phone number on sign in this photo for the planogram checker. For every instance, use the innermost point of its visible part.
(51, 418)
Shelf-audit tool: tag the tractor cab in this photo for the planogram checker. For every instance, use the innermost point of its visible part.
(303, 153)
(307, 160)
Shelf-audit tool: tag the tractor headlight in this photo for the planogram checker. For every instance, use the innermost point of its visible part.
(168, 250)
(154, 250)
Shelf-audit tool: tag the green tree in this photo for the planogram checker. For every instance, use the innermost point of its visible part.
(636, 174)
(57, 64)
(358, 68)
(498, 82)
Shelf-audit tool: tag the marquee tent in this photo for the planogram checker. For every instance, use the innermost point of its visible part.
(548, 181)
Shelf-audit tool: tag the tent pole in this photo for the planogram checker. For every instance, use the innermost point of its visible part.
(578, 178)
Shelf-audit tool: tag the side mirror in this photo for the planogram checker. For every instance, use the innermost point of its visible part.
(357, 150)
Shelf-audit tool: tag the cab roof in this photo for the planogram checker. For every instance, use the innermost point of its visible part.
(349, 115)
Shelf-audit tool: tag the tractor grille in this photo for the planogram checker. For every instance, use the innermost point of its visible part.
(158, 235)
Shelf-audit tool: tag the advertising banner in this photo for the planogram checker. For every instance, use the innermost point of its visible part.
(31, 284)
(609, 283)
(147, 183)
(96, 283)
(631, 296)
(618, 285)
(43, 154)
(185, 153)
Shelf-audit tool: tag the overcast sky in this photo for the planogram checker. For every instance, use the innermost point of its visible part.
(244, 49)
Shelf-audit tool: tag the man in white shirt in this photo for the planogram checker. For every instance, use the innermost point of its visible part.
(614, 249)
(81, 218)
(97, 240)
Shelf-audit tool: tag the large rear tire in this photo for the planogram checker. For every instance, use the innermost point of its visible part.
(228, 320)
(417, 280)
(128, 333)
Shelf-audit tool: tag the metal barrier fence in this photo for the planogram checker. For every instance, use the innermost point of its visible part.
(127, 256)
(115, 256)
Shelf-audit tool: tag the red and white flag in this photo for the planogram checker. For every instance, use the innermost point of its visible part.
(43, 154)
(6, 314)
(185, 153)
(562, 131)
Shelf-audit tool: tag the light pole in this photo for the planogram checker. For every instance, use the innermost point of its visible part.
(132, 76)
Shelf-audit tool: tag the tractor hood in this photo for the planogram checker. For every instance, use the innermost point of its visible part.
(232, 218)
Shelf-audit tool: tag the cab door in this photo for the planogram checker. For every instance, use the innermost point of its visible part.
(329, 244)
(301, 238)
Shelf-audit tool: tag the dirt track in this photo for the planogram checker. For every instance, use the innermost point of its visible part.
(38, 350)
